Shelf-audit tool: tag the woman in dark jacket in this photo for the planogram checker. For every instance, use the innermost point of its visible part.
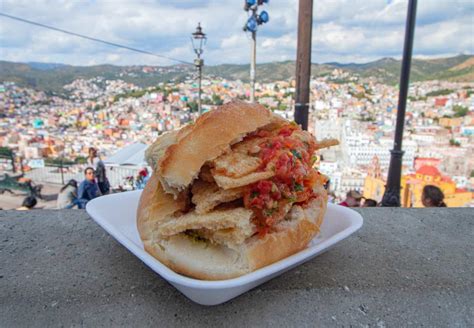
(432, 197)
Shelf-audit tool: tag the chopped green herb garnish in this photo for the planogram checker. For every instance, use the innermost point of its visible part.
(268, 212)
(296, 154)
(254, 194)
(298, 187)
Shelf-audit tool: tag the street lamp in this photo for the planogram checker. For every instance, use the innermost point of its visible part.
(199, 40)
(391, 195)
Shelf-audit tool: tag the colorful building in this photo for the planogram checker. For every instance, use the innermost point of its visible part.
(374, 183)
(412, 186)
(422, 161)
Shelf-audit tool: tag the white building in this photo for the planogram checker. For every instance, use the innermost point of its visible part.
(360, 148)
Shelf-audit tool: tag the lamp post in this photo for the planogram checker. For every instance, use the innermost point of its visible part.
(253, 21)
(391, 197)
(198, 40)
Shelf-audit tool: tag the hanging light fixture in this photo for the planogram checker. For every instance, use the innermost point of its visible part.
(198, 40)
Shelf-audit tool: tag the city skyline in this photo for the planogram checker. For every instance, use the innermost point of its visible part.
(362, 32)
(112, 115)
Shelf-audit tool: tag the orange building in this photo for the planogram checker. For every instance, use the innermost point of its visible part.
(451, 122)
(412, 186)
(422, 161)
(374, 184)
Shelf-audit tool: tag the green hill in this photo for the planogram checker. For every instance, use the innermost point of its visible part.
(52, 77)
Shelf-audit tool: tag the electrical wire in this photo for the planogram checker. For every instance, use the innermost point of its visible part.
(93, 39)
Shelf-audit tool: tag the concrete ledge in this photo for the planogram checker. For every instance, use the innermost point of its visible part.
(405, 267)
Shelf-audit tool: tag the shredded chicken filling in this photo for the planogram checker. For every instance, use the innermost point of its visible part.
(269, 171)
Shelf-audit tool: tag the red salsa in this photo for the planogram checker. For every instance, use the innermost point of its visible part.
(290, 157)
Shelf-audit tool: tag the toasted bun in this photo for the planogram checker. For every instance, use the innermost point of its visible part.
(205, 260)
(210, 136)
(202, 228)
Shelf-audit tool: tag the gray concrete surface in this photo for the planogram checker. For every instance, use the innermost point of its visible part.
(404, 268)
(50, 194)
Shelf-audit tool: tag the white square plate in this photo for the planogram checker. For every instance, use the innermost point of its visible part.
(116, 213)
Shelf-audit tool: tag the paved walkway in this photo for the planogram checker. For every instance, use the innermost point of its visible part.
(404, 268)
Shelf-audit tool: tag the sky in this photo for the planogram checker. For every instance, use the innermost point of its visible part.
(343, 30)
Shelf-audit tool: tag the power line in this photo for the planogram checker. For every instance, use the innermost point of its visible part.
(93, 39)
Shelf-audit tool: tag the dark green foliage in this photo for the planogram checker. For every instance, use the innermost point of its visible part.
(193, 106)
(217, 100)
(6, 152)
(442, 92)
(455, 143)
(460, 111)
(58, 161)
(80, 160)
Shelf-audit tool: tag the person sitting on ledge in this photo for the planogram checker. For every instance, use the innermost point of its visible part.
(28, 204)
(67, 197)
(369, 203)
(432, 196)
(88, 189)
(352, 199)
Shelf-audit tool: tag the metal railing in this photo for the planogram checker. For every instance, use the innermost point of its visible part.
(117, 175)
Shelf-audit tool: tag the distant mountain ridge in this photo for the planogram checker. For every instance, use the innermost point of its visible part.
(45, 66)
(51, 77)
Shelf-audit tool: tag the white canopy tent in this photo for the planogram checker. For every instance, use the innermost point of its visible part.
(133, 155)
(125, 163)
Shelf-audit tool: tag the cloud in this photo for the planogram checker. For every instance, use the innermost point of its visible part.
(343, 30)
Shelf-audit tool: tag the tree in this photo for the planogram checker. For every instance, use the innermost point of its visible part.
(193, 106)
(442, 92)
(80, 160)
(460, 111)
(455, 143)
(216, 100)
(6, 152)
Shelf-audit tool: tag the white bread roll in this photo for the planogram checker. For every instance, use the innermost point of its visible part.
(212, 135)
(208, 261)
(229, 247)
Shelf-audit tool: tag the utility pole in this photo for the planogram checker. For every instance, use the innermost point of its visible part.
(200, 62)
(253, 21)
(198, 40)
(303, 62)
(391, 197)
(253, 62)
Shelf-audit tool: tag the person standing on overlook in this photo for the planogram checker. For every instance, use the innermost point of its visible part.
(94, 161)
